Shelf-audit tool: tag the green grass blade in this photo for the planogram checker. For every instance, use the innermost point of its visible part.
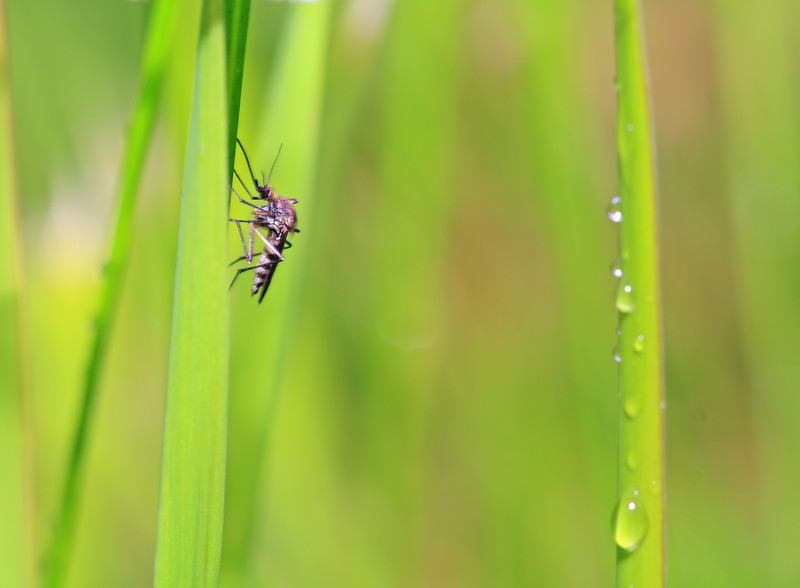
(195, 426)
(639, 518)
(237, 16)
(161, 34)
(16, 499)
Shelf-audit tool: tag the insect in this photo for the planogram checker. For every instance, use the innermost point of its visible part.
(277, 216)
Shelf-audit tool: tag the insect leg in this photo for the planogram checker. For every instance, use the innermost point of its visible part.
(238, 177)
(242, 200)
(247, 269)
(249, 167)
(270, 247)
(248, 252)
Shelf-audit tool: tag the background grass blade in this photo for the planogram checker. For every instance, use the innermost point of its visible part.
(568, 195)
(16, 496)
(639, 517)
(756, 45)
(416, 196)
(161, 35)
(292, 107)
(195, 426)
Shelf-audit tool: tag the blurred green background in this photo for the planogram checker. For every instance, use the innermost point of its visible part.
(445, 415)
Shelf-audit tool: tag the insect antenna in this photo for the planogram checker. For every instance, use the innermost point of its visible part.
(274, 163)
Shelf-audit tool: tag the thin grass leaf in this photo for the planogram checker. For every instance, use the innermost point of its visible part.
(191, 502)
(639, 518)
(161, 35)
(16, 498)
(237, 16)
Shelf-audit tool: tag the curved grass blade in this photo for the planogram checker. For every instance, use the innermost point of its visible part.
(639, 517)
(160, 36)
(191, 501)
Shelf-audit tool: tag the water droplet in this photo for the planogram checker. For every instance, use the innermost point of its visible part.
(655, 487)
(638, 344)
(616, 268)
(618, 332)
(624, 298)
(616, 355)
(632, 461)
(629, 127)
(614, 212)
(632, 405)
(630, 521)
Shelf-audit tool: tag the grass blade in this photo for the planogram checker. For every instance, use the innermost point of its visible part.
(161, 33)
(639, 519)
(237, 17)
(16, 499)
(195, 426)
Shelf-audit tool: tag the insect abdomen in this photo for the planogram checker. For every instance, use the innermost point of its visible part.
(262, 272)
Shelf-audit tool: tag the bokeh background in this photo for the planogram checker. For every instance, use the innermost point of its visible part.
(445, 410)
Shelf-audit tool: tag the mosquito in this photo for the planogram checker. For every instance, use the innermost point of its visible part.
(277, 216)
